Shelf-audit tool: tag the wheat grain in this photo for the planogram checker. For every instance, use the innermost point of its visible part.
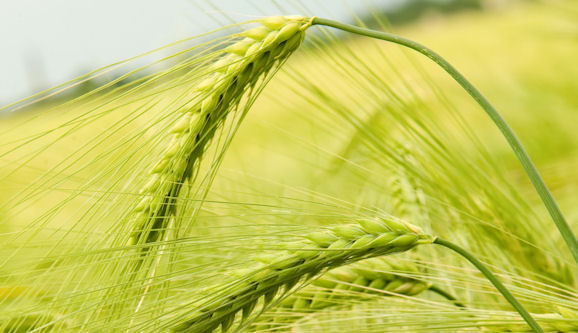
(302, 262)
(235, 73)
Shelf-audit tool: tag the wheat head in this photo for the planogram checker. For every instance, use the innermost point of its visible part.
(345, 285)
(367, 277)
(302, 262)
(243, 63)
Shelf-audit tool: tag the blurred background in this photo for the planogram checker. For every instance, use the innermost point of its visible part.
(48, 43)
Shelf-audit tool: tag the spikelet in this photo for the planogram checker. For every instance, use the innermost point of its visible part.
(232, 76)
(303, 262)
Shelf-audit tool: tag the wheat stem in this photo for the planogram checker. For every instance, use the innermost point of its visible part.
(494, 280)
(513, 141)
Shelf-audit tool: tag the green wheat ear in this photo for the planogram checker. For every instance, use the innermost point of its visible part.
(347, 285)
(235, 77)
(365, 277)
(243, 64)
(319, 251)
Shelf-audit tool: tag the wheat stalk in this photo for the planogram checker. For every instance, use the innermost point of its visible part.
(243, 64)
(302, 262)
(515, 143)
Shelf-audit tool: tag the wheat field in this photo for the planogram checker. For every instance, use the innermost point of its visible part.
(278, 175)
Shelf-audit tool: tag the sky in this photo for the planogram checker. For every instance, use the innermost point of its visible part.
(44, 43)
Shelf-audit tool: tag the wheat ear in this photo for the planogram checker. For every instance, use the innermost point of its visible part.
(371, 276)
(338, 286)
(233, 75)
(304, 261)
(376, 276)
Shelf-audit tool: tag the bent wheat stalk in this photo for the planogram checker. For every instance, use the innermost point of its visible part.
(233, 75)
(494, 280)
(507, 132)
(321, 251)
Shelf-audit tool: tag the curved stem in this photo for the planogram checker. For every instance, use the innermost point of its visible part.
(494, 280)
(508, 133)
(446, 295)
